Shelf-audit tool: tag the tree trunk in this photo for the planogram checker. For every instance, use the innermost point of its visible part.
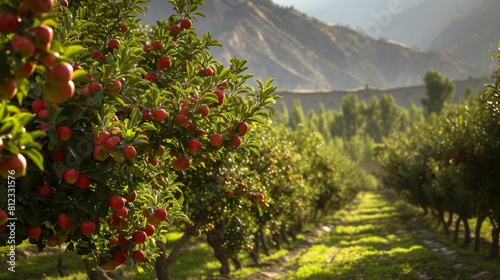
(97, 274)
(457, 229)
(494, 242)
(477, 237)
(237, 263)
(254, 254)
(215, 239)
(450, 219)
(163, 262)
(442, 222)
(263, 241)
(284, 237)
(292, 234)
(276, 241)
(467, 231)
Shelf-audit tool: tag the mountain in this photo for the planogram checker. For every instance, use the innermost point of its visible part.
(303, 53)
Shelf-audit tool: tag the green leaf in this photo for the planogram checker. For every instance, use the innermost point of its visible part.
(35, 156)
(72, 50)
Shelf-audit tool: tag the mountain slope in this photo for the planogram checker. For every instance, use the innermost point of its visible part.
(472, 36)
(303, 53)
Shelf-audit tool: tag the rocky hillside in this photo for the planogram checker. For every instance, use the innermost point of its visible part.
(303, 53)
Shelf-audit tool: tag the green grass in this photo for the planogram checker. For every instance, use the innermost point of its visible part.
(374, 241)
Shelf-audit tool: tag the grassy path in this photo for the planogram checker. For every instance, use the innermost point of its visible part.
(379, 238)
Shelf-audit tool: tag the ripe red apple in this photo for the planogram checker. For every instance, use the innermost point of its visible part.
(14, 166)
(146, 115)
(138, 255)
(235, 141)
(121, 213)
(63, 133)
(163, 62)
(114, 86)
(4, 217)
(123, 26)
(46, 191)
(60, 74)
(119, 258)
(160, 214)
(63, 220)
(260, 196)
(59, 94)
(38, 7)
(71, 176)
(186, 23)
(83, 182)
(101, 137)
(88, 89)
(8, 89)
(220, 94)
(151, 77)
(149, 230)
(139, 236)
(249, 195)
(129, 152)
(44, 34)
(111, 143)
(96, 54)
(156, 44)
(242, 128)
(194, 146)
(33, 231)
(181, 163)
(181, 119)
(25, 71)
(49, 58)
(37, 106)
(216, 140)
(87, 227)
(175, 30)
(160, 151)
(159, 114)
(114, 44)
(204, 111)
(22, 45)
(9, 22)
(116, 202)
(131, 197)
(230, 193)
(100, 153)
(208, 72)
(115, 131)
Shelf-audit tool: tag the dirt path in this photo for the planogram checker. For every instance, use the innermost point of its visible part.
(377, 237)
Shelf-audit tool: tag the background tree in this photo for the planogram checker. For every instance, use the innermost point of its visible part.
(439, 90)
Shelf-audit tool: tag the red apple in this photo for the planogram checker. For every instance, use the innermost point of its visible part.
(4, 217)
(175, 30)
(216, 140)
(159, 114)
(220, 95)
(160, 214)
(71, 176)
(25, 71)
(186, 23)
(139, 236)
(242, 128)
(114, 86)
(194, 146)
(138, 255)
(14, 166)
(114, 44)
(116, 202)
(8, 89)
(235, 141)
(111, 143)
(46, 191)
(129, 152)
(132, 197)
(87, 227)
(63, 133)
(22, 45)
(156, 44)
(83, 182)
(59, 94)
(181, 163)
(149, 230)
(121, 213)
(44, 34)
(60, 74)
(204, 111)
(208, 72)
(163, 62)
(33, 231)
(63, 220)
(9, 22)
(181, 119)
(151, 77)
(100, 153)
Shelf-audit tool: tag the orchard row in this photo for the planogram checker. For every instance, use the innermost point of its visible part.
(449, 164)
(115, 133)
